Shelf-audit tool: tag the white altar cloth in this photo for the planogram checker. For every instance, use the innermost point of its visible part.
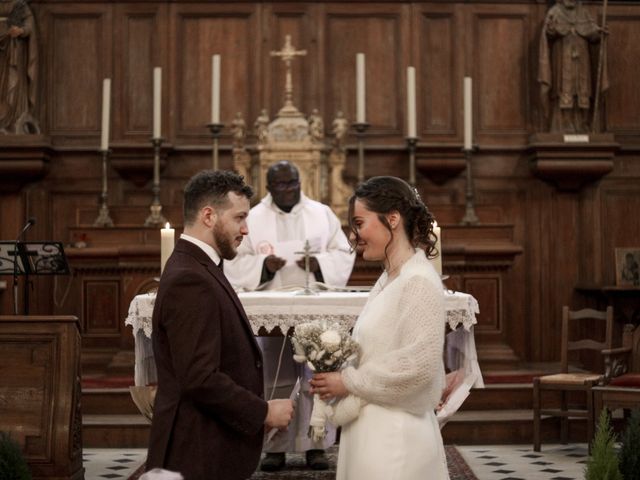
(271, 309)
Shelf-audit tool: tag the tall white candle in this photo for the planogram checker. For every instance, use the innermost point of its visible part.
(437, 262)
(360, 88)
(157, 102)
(468, 113)
(106, 113)
(215, 89)
(167, 241)
(411, 102)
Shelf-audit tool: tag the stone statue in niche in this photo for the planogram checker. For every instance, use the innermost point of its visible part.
(568, 66)
(18, 68)
(238, 131)
(340, 128)
(316, 126)
(261, 125)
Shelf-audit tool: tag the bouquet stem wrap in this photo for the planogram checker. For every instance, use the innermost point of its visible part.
(324, 348)
(318, 421)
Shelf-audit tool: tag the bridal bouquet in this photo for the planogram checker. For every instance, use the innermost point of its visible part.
(324, 347)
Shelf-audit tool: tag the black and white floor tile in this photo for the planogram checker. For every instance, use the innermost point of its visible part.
(488, 462)
(111, 463)
(520, 462)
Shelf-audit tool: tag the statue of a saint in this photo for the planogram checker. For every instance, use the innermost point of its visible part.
(340, 127)
(316, 126)
(18, 68)
(566, 74)
(238, 131)
(261, 126)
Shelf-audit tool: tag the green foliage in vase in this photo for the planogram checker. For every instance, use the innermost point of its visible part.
(603, 463)
(629, 456)
(13, 466)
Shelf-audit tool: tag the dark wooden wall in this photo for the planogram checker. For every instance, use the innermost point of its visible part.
(537, 242)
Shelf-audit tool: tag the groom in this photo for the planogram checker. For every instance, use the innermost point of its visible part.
(209, 413)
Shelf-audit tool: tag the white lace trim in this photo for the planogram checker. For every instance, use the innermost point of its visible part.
(286, 310)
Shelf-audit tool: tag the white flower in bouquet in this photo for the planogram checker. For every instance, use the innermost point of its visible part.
(325, 347)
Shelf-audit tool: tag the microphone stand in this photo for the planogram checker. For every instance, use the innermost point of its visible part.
(16, 271)
(15, 278)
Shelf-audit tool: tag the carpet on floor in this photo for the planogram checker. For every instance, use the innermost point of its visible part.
(296, 469)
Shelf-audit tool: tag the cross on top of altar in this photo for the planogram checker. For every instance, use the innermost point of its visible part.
(288, 53)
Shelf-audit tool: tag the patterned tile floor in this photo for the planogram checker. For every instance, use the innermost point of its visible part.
(488, 462)
(111, 463)
(520, 462)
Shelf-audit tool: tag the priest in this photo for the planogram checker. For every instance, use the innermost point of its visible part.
(279, 227)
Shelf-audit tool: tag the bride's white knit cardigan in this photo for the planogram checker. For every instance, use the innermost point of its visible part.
(400, 365)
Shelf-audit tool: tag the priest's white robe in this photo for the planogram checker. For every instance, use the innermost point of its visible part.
(273, 231)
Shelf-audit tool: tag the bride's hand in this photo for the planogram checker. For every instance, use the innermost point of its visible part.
(328, 385)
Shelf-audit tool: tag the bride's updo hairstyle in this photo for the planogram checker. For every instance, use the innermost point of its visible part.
(383, 195)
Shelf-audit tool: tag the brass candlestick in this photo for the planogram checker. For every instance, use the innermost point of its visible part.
(156, 217)
(361, 128)
(104, 219)
(470, 217)
(216, 130)
(412, 142)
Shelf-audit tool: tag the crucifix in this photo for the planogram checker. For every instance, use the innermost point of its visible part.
(307, 252)
(288, 53)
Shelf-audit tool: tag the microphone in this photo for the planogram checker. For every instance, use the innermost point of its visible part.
(31, 222)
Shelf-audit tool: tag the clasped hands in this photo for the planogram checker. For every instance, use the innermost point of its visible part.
(274, 263)
(328, 385)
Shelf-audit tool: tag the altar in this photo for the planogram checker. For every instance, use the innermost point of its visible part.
(284, 310)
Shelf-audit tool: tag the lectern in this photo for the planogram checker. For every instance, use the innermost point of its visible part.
(40, 392)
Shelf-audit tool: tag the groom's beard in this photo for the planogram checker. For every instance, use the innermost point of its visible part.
(224, 241)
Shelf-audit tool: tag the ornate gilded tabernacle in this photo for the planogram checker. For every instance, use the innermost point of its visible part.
(301, 140)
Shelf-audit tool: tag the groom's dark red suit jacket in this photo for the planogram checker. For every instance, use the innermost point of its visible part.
(209, 410)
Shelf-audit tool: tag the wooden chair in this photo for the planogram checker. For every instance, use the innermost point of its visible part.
(622, 388)
(566, 381)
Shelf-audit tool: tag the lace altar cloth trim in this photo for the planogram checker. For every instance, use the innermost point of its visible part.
(286, 310)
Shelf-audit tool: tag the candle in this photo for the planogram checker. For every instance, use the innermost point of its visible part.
(411, 102)
(167, 240)
(157, 101)
(437, 261)
(215, 89)
(106, 110)
(360, 88)
(467, 114)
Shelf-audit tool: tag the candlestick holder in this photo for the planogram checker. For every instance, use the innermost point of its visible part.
(103, 219)
(470, 217)
(156, 217)
(216, 130)
(412, 142)
(361, 128)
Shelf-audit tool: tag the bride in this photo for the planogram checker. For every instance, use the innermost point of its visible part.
(386, 403)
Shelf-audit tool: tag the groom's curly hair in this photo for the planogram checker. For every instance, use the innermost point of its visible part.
(210, 187)
(383, 195)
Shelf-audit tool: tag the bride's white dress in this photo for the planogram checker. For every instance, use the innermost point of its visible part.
(385, 441)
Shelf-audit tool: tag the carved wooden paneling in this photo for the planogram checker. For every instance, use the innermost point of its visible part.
(623, 98)
(199, 35)
(486, 289)
(619, 214)
(28, 394)
(79, 60)
(102, 307)
(500, 71)
(140, 46)
(379, 35)
(439, 85)
(39, 393)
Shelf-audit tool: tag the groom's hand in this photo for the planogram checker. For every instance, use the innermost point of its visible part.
(279, 413)
(328, 385)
